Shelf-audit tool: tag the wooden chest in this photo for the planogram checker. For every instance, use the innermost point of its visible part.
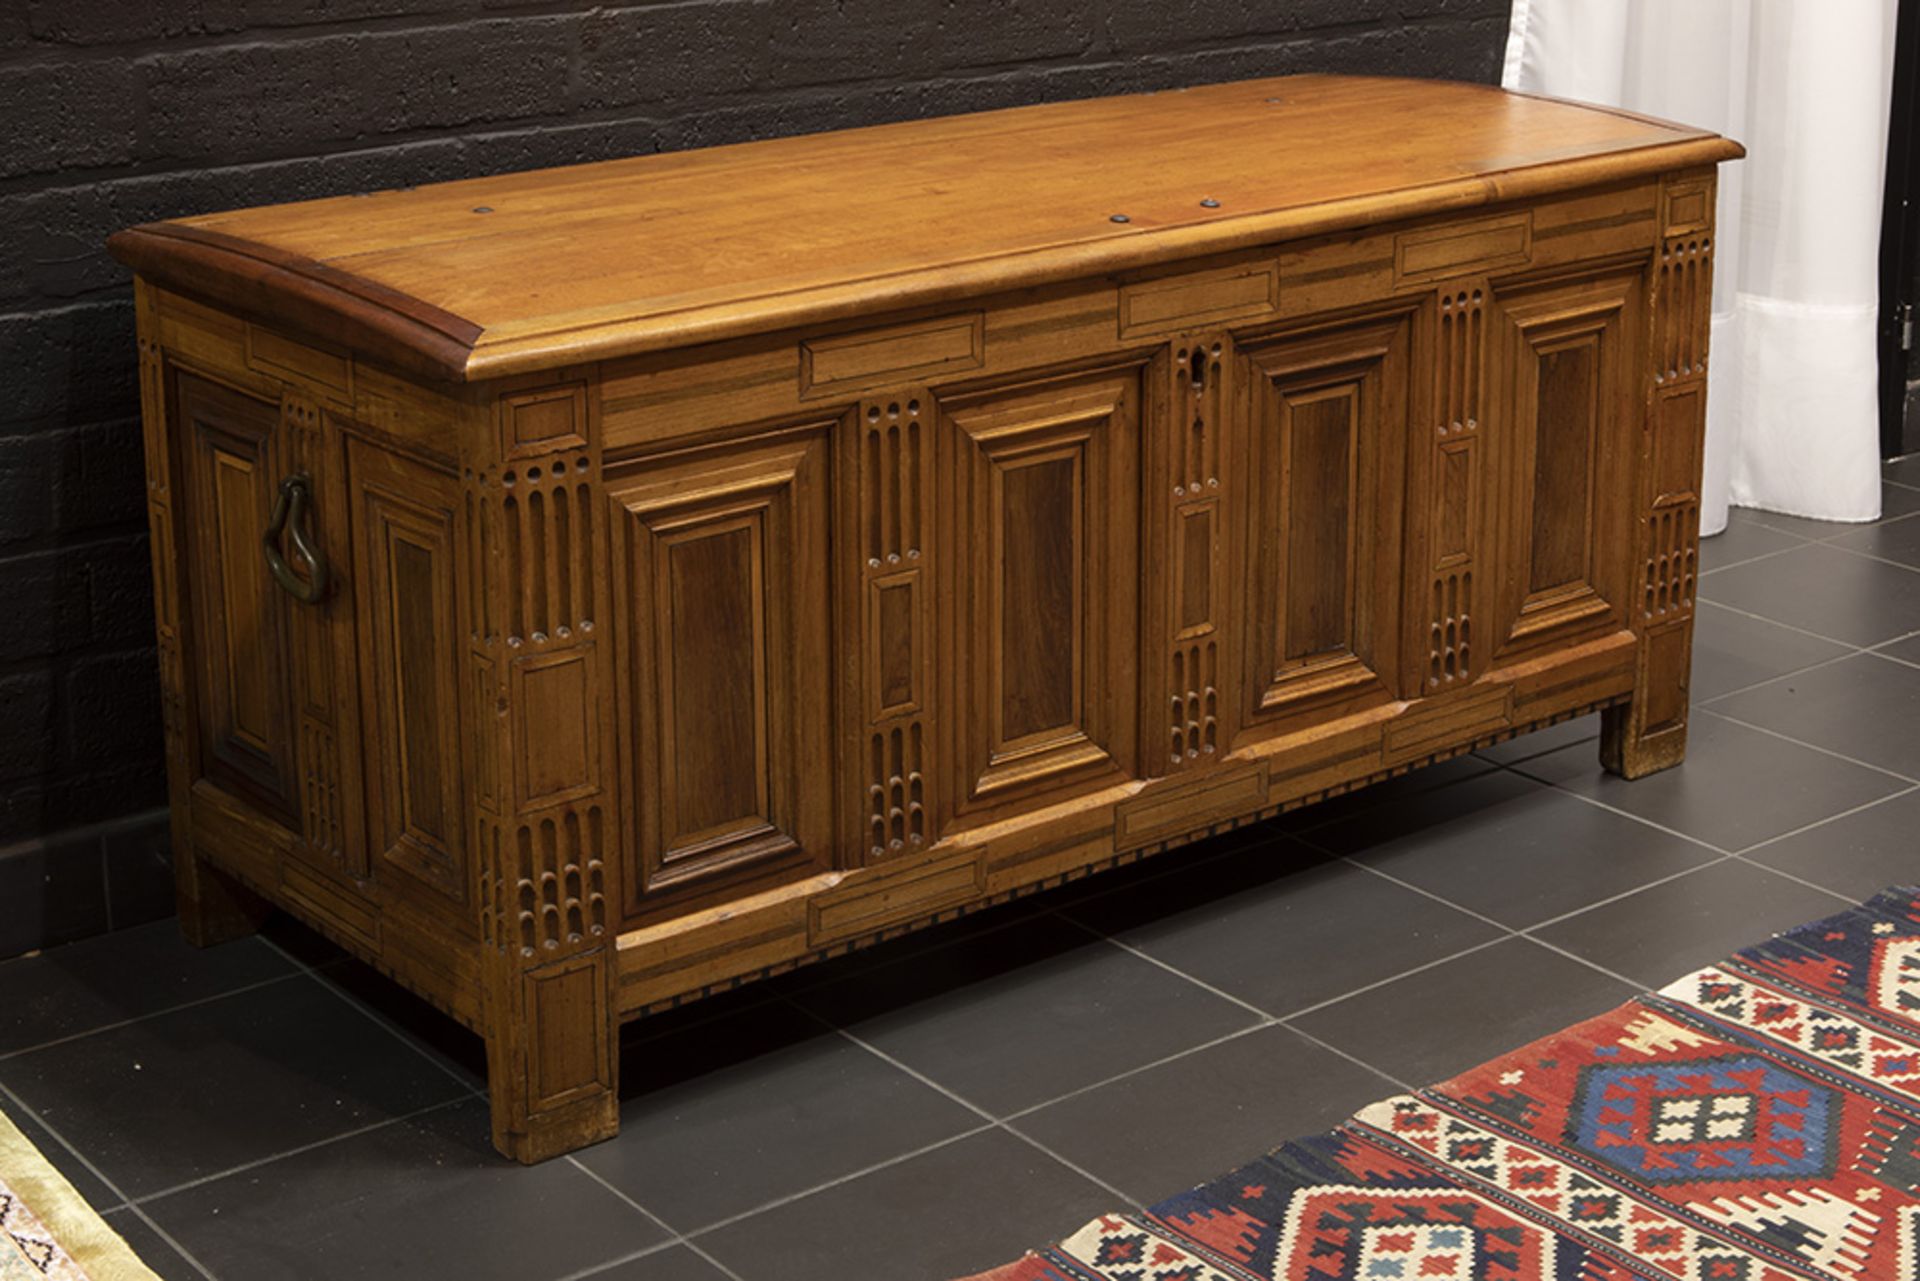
(580, 591)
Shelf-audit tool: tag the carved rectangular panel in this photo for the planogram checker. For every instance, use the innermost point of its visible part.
(1446, 526)
(1044, 502)
(1195, 566)
(892, 451)
(1325, 445)
(404, 541)
(1568, 375)
(242, 637)
(728, 639)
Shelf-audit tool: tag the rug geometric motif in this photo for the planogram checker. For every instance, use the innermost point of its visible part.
(1757, 1120)
(1730, 1118)
(1409, 1234)
(1848, 1044)
(1584, 1203)
(28, 1251)
(1127, 1251)
(1896, 978)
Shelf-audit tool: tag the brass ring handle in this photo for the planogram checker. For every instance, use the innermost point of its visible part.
(290, 516)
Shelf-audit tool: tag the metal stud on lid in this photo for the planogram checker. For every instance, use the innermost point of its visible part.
(1209, 203)
(1120, 218)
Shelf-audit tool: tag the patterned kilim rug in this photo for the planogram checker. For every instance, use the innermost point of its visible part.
(1758, 1120)
(47, 1230)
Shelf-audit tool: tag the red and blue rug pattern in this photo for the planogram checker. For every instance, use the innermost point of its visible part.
(1758, 1120)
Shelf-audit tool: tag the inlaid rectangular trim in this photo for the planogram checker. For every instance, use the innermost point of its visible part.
(921, 351)
(1152, 307)
(543, 420)
(281, 357)
(1429, 726)
(1462, 248)
(875, 904)
(1169, 812)
(1686, 206)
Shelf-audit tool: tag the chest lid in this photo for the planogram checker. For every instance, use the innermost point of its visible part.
(491, 276)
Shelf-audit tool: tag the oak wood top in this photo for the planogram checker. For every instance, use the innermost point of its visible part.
(491, 276)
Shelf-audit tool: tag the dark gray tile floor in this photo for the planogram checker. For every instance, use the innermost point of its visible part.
(266, 1110)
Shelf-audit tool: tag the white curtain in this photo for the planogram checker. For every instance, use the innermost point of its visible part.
(1792, 410)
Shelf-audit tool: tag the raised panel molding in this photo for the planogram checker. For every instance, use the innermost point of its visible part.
(1565, 455)
(405, 537)
(1326, 414)
(1041, 527)
(246, 716)
(724, 562)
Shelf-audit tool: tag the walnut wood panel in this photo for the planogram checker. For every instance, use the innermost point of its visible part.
(1325, 438)
(404, 531)
(1040, 566)
(724, 562)
(1572, 402)
(243, 687)
(696, 615)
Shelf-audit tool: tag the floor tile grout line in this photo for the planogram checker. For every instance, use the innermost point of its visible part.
(1812, 747)
(1317, 1006)
(1762, 618)
(1780, 676)
(1754, 560)
(1349, 1056)
(1111, 1190)
(1884, 560)
(1745, 850)
(1801, 880)
(300, 1150)
(1140, 1069)
(789, 1198)
(20, 1106)
(130, 1021)
(678, 1238)
(126, 1202)
(1597, 803)
(657, 1248)
(1638, 987)
(379, 1020)
(1178, 973)
(1526, 931)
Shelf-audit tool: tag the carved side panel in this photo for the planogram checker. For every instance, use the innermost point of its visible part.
(1670, 466)
(246, 719)
(537, 679)
(1325, 455)
(405, 536)
(1042, 549)
(1197, 400)
(895, 446)
(1567, 355)
(724, 557)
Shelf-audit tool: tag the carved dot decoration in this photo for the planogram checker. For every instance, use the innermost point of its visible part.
(913, 408)
(893, 410)
(508, 480)
(533, 475)
(873, 413)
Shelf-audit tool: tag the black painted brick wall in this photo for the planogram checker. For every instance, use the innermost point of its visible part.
(120, 111)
